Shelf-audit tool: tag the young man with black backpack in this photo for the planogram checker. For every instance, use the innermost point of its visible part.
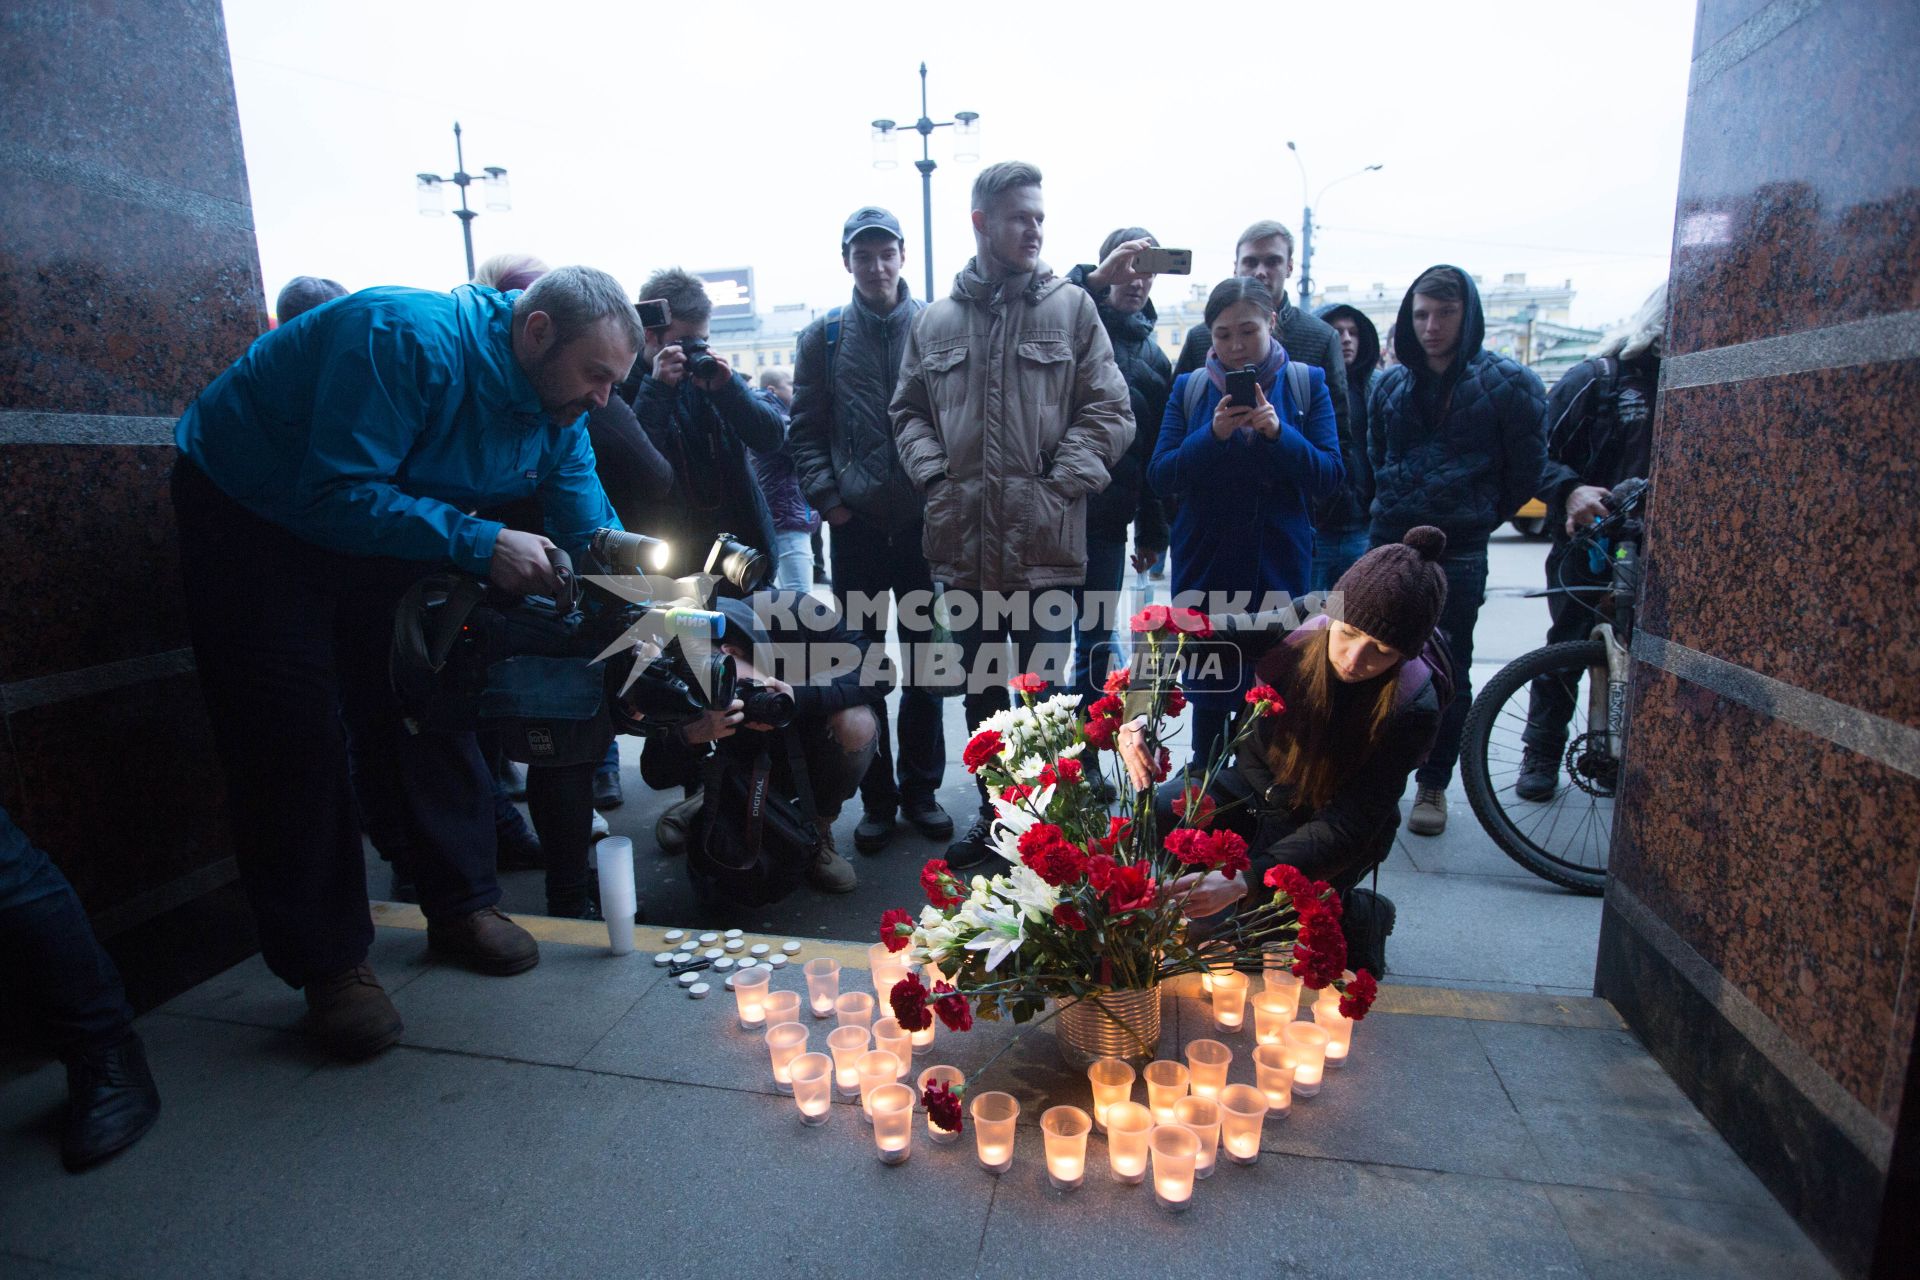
(842, 444)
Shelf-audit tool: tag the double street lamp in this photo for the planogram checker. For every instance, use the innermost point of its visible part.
(966, 146)
(431, 189)
(1306, 222)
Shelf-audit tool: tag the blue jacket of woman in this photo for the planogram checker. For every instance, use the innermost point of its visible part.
(1245, 522)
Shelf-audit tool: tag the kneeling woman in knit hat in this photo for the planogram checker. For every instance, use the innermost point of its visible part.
(1318, 786)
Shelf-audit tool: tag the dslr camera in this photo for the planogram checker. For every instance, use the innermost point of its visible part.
(700, 360)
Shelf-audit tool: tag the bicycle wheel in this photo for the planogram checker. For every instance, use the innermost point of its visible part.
(1565, 838)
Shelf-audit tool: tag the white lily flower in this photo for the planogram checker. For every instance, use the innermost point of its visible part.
(1003, 932)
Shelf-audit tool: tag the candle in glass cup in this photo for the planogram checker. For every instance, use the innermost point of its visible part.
(1175, 1149)
(893, 1122)
(1166, 1085)
(993, 1118)
(1273, 1074)
(1207, 1062)
(887, 967)
(1202, 1115)
(1243, 1109)
(923, 1038)
(1284, 982)
(1065, 1130)
(847, 1044)
(1128, 1124)
(780, 1006)
(823, 985)
(1339, 1028)
(854, 1009)
(888, 1035)
(877, 1068)
(812, 1077)
(1229, 1000)
(1112, 1081)
(955, 1080)
(1211, 974)
(1306, 1048)
(1272, 1011)
(785, 1042)
(749, 997)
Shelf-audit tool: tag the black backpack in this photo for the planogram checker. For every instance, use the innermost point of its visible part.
(751, 845)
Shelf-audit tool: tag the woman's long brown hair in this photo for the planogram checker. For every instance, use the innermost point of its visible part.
(1307, 746)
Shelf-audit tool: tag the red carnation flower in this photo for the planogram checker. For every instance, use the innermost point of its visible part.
(952, 1007)
(1320, 952)
(943, 1106)
(1068, 916)
(1028, 683)
(1101, 869)
(1066, 773)
(984, 746)
(1288, 880)
(941, 885)
(1163, 766)
(1109, 706)
(1229, 853)
(909, 1001)
(1014, 793)
(1195, 807)
(1176, 701)
(1149, 620)
(1265, 700)
(1100, 732)
(1046, 849)
(1118, 680)
(1118, 829)
(896, 928)
(1359, 997)
(1191, 622)
(1188, 844)
(1132, 888)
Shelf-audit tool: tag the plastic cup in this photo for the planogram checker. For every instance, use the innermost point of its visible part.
(1175, 1149)
(812, 1077)
(1202, 1115)
(750, 997)
(877, 1068)
(1272, 1011)
(993, 1119)
(823, 985)
(780, 1006)
(854, 1009)
(1229, 1000)
(1305, 1047)
(1273, 1075)
(888, 1035)
(953, 1078)
(1166, 1085)
(892, 1112)
(1243, 1110)
(785, 1043)
(847, 1044)
(618, 897)
(1207, 1063)
(1065, 1130)
(1339, 1028)
(887, 968)
(1112, 1081)
(1128, 1125)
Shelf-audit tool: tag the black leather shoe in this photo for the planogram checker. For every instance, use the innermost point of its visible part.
(875, 831)
(111, 1103)
(972, 849)
(606, 791)
(925, 813)
(1539, 777)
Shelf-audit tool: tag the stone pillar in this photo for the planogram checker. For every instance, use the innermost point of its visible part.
(1759, 932)
(129, 278)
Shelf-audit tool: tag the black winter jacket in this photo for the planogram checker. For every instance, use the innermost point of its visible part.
(706, 437)
(1307, 339)
(1149, 375)
(1462, 449)
(1599, 429)
(842, 435)
(1346, 511)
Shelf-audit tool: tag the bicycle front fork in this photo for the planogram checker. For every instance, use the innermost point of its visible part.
(1607, 690)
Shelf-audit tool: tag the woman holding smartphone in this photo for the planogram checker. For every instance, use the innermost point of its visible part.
(1246, 471)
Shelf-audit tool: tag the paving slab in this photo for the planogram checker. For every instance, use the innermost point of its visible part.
(1499, 929)
(1623, 1236)
(249, 992)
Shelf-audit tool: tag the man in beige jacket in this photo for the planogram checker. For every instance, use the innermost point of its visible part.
(1008, 412)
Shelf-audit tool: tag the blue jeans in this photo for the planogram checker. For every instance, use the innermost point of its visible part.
(1095, 652)
(1333, 554)
(1466, 591)
(793, 560)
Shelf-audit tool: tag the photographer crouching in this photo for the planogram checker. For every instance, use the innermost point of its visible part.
(784, 756)
(319, 477)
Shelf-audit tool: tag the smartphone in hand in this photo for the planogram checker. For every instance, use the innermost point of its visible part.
(1164, 262)
(1242, 387)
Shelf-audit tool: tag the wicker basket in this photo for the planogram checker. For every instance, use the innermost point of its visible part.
(1110, 1024)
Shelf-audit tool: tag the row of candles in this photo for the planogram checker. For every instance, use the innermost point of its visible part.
(1191, 1114)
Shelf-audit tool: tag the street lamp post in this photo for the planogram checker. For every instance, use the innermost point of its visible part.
(966, 146)
(431, 188)
(1306, 222)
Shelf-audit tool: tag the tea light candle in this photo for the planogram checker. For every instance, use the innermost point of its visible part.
(1112, 1081)
(1339, 1029)
(877, 1067)
(923, 1039)
(1065, 1130)
(785, 1042)
(887, 967)
(892, 1112)
(823, 985)
(889, 1035)
(791, 947)
(749, 997)
(1128, 1126)
(1229, 1000)
(780, 1006)
(1212, 972)
(954, 1079)
(1207, 1063)
(812, 1077)
(731, 934)
(854, 1009)
(1306, 1048)
(993, 1118)
(759, 950)
(1272, 1011)
(708, 939)
(1243, 1109)
(1273, 1074)
(846, 1045)
(713, 953)
(1175, 1150)
(1166, 1085)
(673, 935)
(1202, 1115)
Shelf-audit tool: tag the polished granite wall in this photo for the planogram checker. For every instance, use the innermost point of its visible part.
(128, 279)
(1759, 933)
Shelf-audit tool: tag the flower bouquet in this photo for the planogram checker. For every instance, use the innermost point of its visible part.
(1092, 911)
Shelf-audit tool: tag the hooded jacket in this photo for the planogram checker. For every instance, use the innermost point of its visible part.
(1009, 412)
(1347, 510)
(841, 436)
(1462, 448)
(1149, 377)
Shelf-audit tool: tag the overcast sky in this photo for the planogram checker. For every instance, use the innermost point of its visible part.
(1536, 137)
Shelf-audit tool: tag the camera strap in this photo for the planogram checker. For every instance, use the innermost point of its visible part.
(760, 786)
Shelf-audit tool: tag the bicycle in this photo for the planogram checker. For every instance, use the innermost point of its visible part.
(1566, 837)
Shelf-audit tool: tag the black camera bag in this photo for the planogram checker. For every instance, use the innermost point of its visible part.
(751, 845)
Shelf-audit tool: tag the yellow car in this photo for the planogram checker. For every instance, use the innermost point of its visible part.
(1531, 519)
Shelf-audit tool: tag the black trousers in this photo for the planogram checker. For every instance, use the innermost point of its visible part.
(289, 638)
(1550, 699)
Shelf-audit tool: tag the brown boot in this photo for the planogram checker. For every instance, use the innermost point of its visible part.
(829, 872)
(1429, 814)
(350, 1015)
(484, 941)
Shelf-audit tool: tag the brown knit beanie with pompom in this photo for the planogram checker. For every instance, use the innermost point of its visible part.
(1395, 592)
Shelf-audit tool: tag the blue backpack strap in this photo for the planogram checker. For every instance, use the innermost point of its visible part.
(1300, 388)
(1194, 392)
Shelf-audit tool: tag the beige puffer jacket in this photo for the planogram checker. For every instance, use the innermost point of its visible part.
(1008, 412)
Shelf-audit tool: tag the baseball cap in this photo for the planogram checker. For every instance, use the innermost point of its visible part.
(868, 219)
